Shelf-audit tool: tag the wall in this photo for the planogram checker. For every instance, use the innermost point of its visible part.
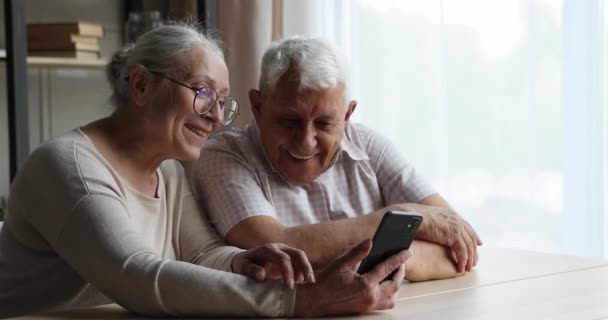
(62, 98)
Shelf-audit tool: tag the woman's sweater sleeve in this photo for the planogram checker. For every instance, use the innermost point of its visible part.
(100, 243)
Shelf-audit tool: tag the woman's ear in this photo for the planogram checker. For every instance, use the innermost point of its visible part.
(139, 85)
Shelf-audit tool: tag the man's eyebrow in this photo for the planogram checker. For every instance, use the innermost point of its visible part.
(288, 111)
(326, 118)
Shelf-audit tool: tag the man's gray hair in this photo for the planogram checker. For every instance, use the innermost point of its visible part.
(160, 50)
(310, 62)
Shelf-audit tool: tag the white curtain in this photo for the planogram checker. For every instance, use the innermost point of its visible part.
(502, 104)
(246, 29)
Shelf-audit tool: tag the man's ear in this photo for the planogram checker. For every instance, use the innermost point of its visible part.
(139, 80)
(352, 105)
(255, 99)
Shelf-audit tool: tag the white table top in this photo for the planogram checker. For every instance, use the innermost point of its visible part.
(570, 295)
(498, 265)
(507, 284)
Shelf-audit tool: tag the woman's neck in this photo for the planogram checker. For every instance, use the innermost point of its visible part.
(129, 147)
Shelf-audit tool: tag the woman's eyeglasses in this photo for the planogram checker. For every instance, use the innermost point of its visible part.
(206, 98)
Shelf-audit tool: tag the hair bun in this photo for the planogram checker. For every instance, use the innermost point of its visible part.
(116, 68)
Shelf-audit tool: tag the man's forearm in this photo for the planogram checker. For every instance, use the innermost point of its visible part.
(322, 242)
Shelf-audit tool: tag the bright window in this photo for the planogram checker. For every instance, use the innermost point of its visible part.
(500, 103)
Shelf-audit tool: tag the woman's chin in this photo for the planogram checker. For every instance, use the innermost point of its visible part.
(189, 153)
(189, 147)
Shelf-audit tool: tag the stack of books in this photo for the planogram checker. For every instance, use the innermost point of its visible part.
(74, 39)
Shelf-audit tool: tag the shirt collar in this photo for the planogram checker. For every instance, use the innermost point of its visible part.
(351, 149)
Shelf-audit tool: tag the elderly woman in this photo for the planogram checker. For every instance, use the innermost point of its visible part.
(104, 214)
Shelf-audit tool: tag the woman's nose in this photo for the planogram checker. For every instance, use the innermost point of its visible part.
(216, 113)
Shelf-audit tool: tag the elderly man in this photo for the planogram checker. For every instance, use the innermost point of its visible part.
(303, 174)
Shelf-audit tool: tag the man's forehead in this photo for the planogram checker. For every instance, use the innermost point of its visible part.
(293, 93)
(307, 108)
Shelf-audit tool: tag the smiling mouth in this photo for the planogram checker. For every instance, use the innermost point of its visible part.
(301, 157)
(197, 131)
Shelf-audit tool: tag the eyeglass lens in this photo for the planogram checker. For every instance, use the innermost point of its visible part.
(206, 99)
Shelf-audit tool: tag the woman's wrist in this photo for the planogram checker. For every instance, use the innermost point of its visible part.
(303, 307)
(235, 262)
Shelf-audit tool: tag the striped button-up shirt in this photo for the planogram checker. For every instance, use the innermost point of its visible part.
(234, 180)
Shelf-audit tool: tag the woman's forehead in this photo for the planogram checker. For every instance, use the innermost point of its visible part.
(205, 66)
(193, 63)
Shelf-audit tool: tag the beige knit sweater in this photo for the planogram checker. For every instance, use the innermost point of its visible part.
(77, 234)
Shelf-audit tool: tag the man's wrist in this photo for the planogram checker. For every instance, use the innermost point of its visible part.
(407, 207)
(371, 222)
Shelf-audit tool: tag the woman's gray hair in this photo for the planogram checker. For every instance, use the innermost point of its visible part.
(158, 50)
(310, 62)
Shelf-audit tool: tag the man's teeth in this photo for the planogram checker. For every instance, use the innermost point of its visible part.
(301, 157)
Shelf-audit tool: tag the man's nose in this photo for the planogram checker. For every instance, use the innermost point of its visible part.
(307, 138)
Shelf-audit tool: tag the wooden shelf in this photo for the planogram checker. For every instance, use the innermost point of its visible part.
(64, 62)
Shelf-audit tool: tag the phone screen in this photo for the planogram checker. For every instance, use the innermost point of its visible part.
(396, 232)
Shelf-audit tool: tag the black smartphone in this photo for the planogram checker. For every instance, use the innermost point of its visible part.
(396, 232)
